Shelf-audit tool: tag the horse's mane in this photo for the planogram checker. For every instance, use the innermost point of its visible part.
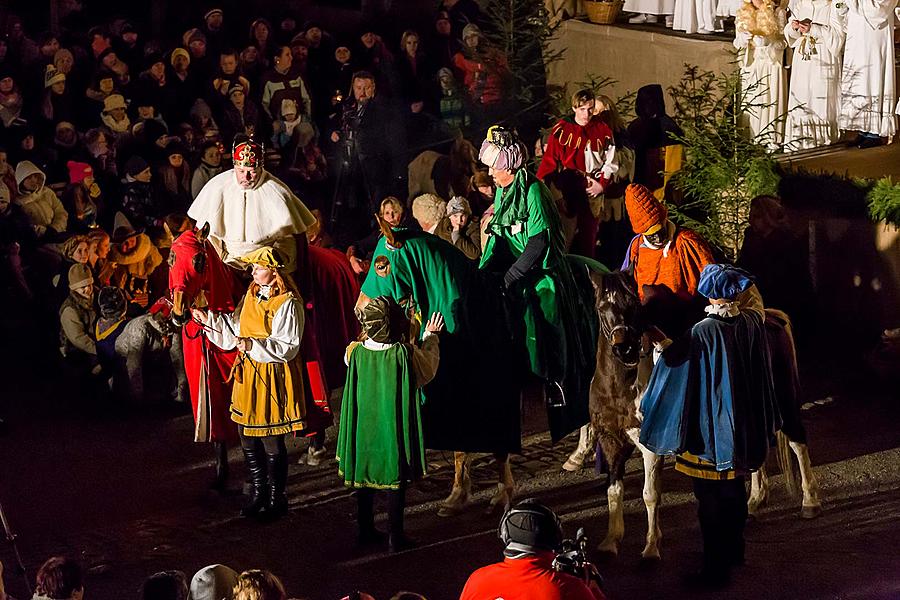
(622, 286)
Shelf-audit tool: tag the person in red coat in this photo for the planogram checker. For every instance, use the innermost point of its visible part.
(582, 143)
(530, 532)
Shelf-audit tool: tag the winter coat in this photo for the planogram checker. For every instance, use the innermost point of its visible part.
(203, 174)
(76, 316)
(42, 207)
(140, 205)
(467, 241)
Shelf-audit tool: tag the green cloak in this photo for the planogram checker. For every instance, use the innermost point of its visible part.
(380, 439)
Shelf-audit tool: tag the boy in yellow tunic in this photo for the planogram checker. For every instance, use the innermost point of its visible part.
(267, 401)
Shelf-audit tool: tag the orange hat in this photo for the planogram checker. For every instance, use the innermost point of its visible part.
(647, 214)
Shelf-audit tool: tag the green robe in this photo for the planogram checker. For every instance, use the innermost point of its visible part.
(380, 439)
(523, 210)
(427, 268)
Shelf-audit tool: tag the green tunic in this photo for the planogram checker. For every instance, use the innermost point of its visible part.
(380, 438)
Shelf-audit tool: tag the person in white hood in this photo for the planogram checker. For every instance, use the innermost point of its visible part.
(44, 210)
(215, 582)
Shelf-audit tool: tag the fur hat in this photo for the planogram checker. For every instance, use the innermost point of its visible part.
(647, 214)
(428, 208)
(53, 75)
(114, 101)
(79, 276)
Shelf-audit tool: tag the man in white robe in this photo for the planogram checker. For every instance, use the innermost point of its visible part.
(248, 208)
(868, 79)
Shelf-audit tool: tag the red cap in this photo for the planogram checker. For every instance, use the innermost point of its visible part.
(78, 171)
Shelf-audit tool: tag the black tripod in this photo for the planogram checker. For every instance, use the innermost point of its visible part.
(11, 538)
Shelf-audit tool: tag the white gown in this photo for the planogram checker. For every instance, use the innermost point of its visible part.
(728, 8)
(868, 81)
(815, 90)
(650, 7)
(693, 15)
(764, 81)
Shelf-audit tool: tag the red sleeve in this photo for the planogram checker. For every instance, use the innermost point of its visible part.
(550, 159)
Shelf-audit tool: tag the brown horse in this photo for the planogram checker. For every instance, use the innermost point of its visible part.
(444, 175)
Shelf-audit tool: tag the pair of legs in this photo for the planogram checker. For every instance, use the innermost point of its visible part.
(266, 459)
(722, 510)
(365, 517)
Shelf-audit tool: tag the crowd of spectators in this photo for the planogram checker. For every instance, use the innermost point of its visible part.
(107, 136)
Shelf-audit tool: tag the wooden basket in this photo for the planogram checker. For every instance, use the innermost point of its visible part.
(603, 13)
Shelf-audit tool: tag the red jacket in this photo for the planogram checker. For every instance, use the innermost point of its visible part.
(566, 144)
(529, 578)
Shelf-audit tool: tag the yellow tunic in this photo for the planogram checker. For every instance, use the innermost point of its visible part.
(268, 397)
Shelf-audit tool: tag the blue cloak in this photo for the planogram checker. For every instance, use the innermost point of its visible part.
(712, 395)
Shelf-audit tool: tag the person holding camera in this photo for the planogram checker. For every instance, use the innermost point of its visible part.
(369, 140)
(531, 533)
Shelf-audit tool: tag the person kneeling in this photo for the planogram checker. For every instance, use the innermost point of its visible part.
(380, 441)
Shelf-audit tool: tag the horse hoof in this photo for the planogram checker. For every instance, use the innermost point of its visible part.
(608, 548)
(811, 512)
(571, 466)
(502, 499)
(650, 556)
(450, 510)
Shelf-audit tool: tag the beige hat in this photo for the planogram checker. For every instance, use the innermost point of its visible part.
(428, 208)
(114, 101)
(53, 75)
(79, 276)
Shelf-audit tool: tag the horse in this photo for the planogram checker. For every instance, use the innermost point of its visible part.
(444, 175)
(430, 275)
(623, 372)
(199, 278)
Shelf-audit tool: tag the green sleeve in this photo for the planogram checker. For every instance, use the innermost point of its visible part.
(538, 220)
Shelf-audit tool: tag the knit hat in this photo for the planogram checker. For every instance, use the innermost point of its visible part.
(79, 276)
(236, 87)
(111, 301)
(209, 13)
(53, 75)
(213, 583)
(458, 204)
(647, 214)
(471, 29)
(193, 35)
(179, 52)
(135, 165)
(723, 282)
(78, 171)
(114, 101)
(266, 257)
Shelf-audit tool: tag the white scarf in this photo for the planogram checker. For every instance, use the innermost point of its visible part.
(729, 309)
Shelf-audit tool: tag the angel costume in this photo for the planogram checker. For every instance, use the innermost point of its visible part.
(815, 74)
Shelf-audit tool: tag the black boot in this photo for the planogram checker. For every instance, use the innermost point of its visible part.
(256, 468)
(277, 504)
(220, 482)
(397, 540)
(369, 535)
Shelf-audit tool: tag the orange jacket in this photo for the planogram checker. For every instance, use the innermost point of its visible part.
(529, 578)
(678, 267)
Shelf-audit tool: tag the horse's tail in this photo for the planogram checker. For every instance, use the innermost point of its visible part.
(788, 466)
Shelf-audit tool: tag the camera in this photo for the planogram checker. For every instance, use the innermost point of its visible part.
(571, 558)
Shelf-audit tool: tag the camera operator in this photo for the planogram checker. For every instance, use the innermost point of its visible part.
(371, 145)
(531, 533)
